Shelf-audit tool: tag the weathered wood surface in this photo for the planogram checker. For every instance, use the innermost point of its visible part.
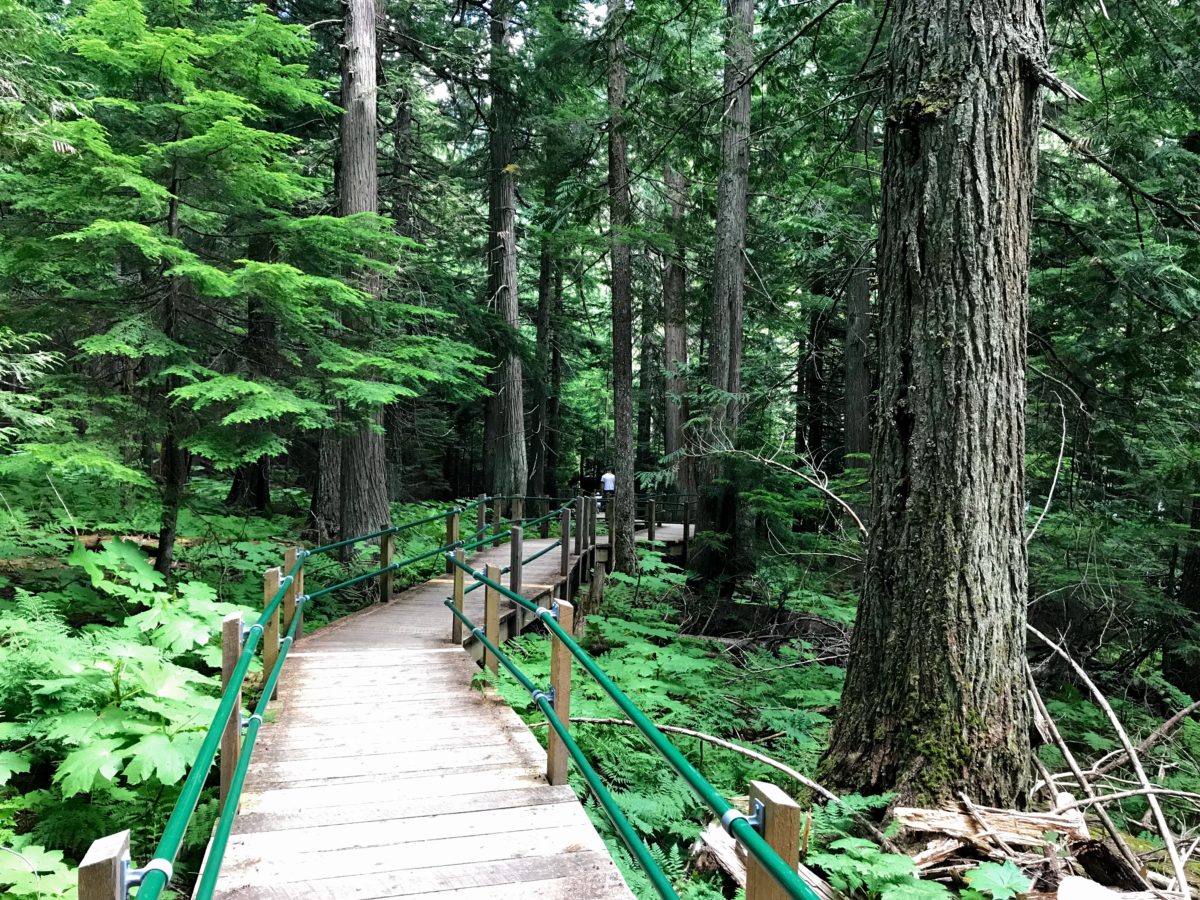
(383, 773)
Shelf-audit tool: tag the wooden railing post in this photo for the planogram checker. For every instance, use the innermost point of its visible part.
(515, 566)
(453, 529)
(491, 617)
(592, 516)
(687, 527)
(271, 582)
(544, 510)
(456, 634)
(781, 829)
(387, 552)
(560, 683)
(100, 874)
(579, 513)
(564, 566)
(518, 511)
(231, 739)
(481, 514)
(294, 590)
(651, 521)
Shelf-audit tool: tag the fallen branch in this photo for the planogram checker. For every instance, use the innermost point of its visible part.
(1121, 795)
(1084, 784)
(1160, 818)
(1116, 759)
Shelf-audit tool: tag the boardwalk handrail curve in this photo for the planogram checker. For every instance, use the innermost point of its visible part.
(736, 823)
(622, 825)
(157, 874)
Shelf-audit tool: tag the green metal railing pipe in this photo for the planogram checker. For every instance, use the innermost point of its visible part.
(739, 827)
(479, 584)
(168, 846)
(348, 541)
(487, 540)
(541, 552)
(347, 583)
(621, 824)
(220, 838)
(396, 529)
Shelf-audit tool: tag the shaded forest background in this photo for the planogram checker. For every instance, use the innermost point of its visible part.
(196, 325)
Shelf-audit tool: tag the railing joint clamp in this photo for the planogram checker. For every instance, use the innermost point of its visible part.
(131, 877)
(755, 820)
(550, 696)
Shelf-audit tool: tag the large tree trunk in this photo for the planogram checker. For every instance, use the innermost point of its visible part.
(506, 447)
(621, 520)
(935, 700)
(174, 460)
(858, 330)
(364, 504)
(554, 401)
(648, 372)
(251, 488)
(719, 502)
(545, 398)
(1180, 667)
(325, 509)
(675, 335)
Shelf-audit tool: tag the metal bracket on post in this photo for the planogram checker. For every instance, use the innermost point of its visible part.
(758, 815)
(550, 695)
(131, 877)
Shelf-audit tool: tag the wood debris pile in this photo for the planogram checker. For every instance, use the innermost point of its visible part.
(1055, 849)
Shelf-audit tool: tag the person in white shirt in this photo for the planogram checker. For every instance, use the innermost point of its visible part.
(608, 484)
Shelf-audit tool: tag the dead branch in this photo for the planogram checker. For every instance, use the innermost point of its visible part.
(1160, 818)
(1084, 784)
(1062, 447)
(1116, 759)
(1121, 795)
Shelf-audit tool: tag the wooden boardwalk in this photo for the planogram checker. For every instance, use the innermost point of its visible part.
(383, 773)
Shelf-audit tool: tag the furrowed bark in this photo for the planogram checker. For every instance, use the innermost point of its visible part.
(363, 502)
(719, 510)
(934, 701)
(506, 447)
(624, 550)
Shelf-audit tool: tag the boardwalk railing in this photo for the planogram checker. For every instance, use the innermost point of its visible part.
(768, 872)
(106, 872)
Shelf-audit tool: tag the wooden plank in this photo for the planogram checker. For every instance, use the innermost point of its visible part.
(399, 790)
(396, 834)
(411, 808)
(458, 851)
(384, 765)
(597, 867)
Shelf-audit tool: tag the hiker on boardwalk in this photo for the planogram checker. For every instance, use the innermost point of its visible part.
(608, 484)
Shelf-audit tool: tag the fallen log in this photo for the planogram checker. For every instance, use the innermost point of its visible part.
(717, 851)
(1024, 829)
